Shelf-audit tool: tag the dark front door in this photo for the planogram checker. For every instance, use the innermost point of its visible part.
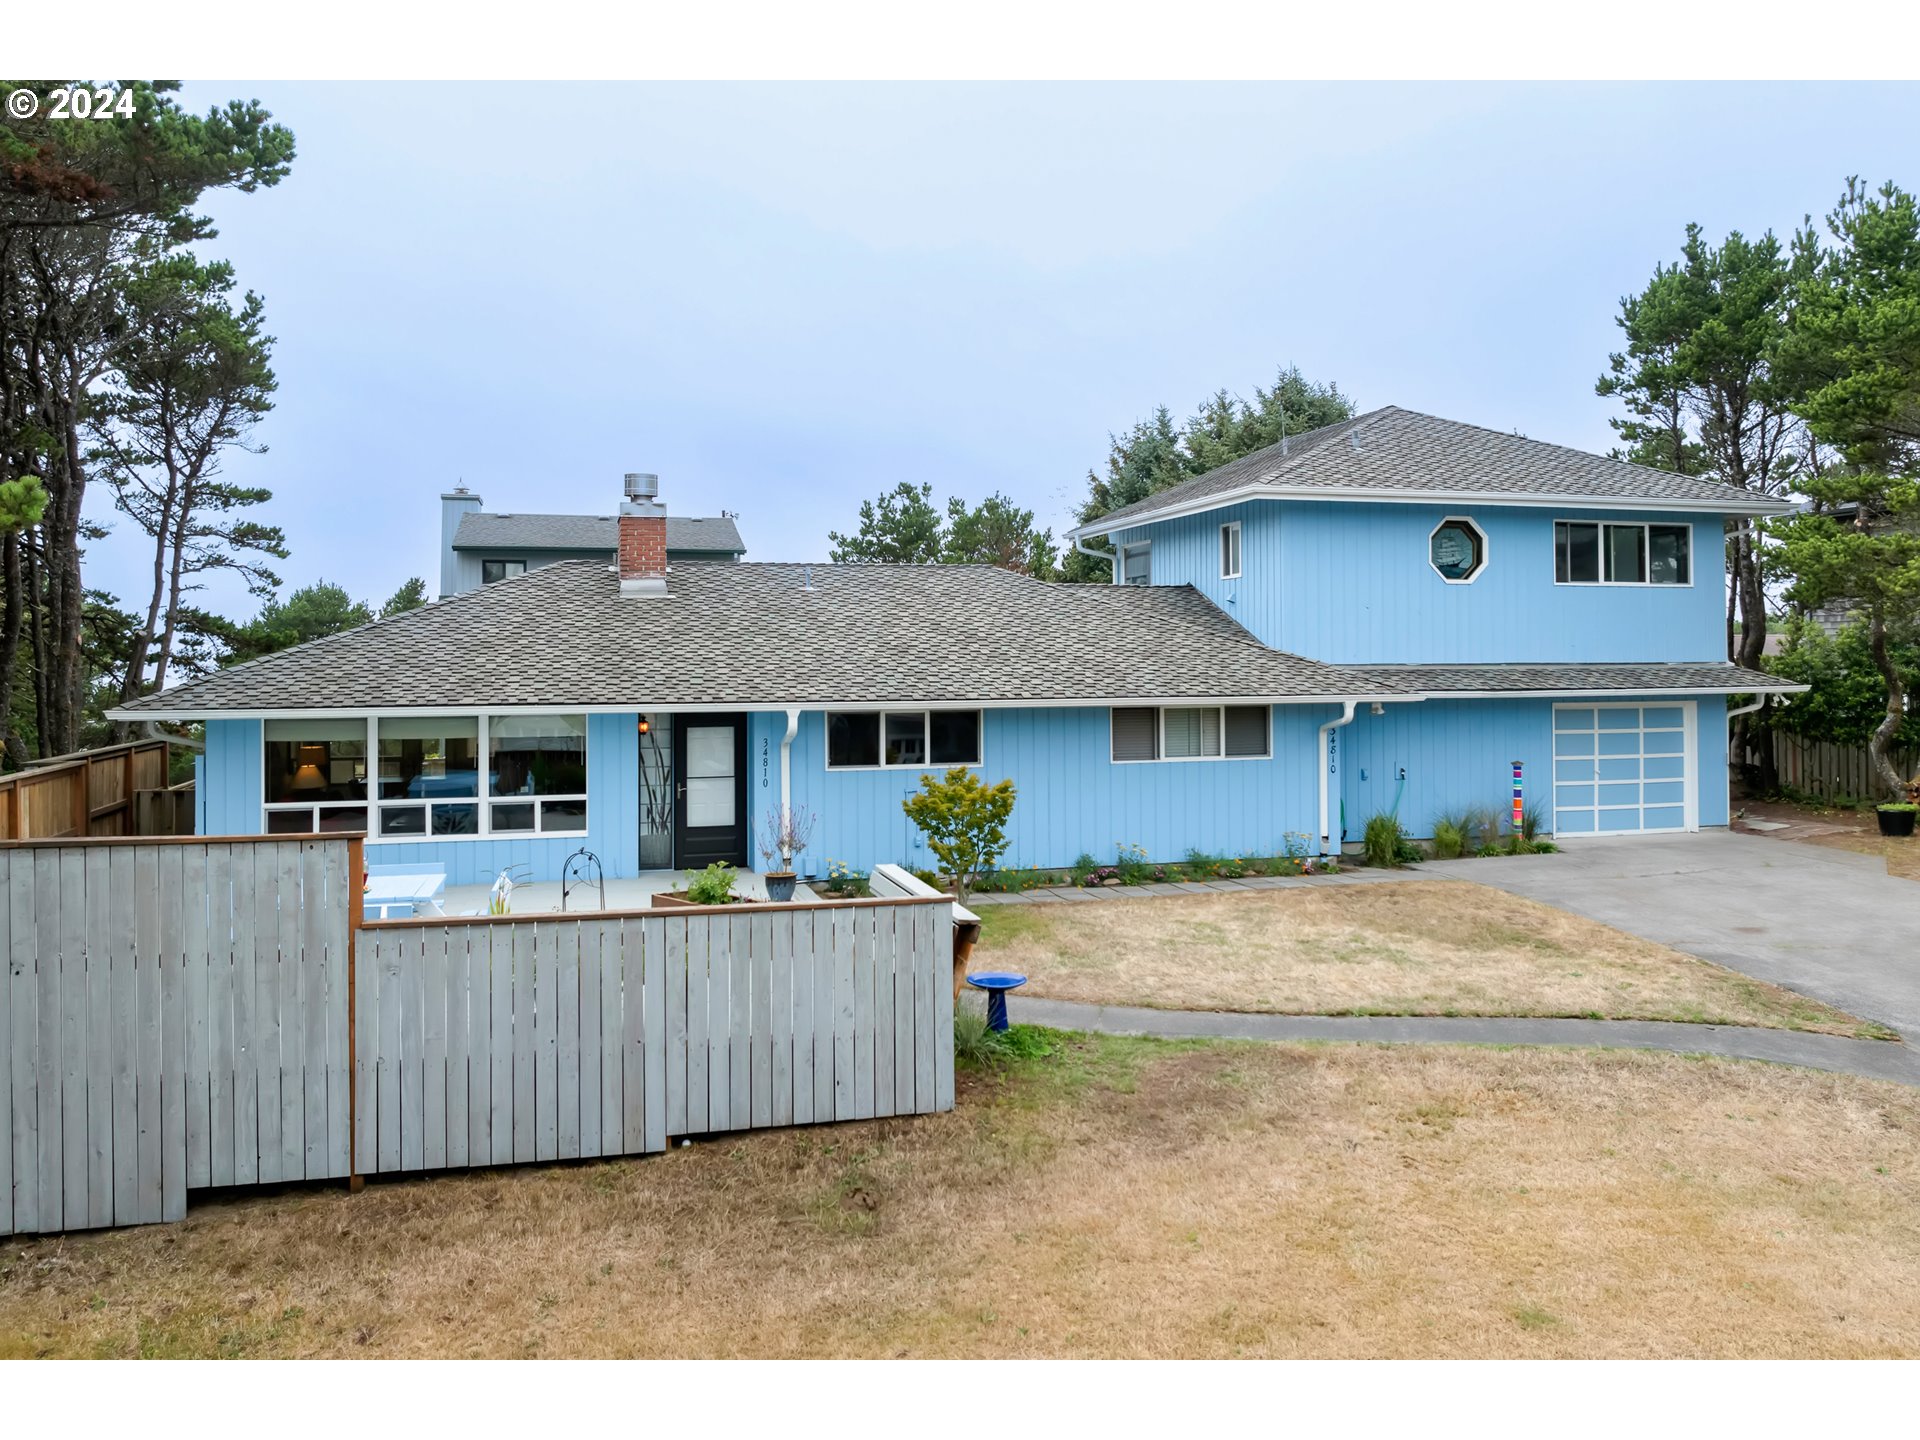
(710, 794)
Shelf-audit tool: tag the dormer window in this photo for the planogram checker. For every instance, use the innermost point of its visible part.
(1457, 550)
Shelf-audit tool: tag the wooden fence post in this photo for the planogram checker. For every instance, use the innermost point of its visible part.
(83, 799)
(356, 871)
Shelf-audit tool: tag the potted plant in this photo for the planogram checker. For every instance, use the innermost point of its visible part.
(711, 886)
(1896, 818)
(786, 834)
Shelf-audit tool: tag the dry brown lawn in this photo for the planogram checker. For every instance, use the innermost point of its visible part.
(1415, 947)
(1117, 1198)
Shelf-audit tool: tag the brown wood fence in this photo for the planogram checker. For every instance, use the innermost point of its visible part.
(95, 794)
(1833, 772)
(177, 1014)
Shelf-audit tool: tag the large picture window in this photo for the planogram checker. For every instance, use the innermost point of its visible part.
(537, 768)
(902, 739)
(1592, 552)
(422, 779)
(316, 775)
(1191, 732)
(429, 775)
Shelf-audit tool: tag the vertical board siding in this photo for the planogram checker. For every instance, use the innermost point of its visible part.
(128, 1024)
(1351, 584)
(1072, 798)
(682, 1025)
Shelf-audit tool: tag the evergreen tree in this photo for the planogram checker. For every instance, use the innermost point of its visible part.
(1853, 361)
(902, 527)
(1157, 454)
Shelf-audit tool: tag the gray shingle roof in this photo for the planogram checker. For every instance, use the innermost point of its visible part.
(754, 634)
(757, 635)
(1650, 678)
(480, 530)
(1398, 453)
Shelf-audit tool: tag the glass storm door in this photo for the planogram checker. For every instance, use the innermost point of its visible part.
(710, 806)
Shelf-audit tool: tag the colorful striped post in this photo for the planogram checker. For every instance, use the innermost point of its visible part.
(1519, 803)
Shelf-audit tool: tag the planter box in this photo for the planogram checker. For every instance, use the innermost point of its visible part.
(677, 900)
(1895, 823)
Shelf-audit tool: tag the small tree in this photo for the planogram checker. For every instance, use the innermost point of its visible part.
(965, 822)
(902, 527)
(785, 834)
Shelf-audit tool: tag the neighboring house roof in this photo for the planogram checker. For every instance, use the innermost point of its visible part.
(481, 530)
(1392, 454)
(764, 635)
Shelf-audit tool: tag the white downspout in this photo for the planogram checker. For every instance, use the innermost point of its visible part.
(1326, 762)
(786, 776)
(1112, 556)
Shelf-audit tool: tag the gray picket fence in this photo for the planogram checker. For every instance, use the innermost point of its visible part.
(175, 1016)
(499, 1041)
(184, 1014)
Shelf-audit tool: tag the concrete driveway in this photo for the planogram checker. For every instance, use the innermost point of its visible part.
(1827, 923)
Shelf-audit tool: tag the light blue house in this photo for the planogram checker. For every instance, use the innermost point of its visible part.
(1395, 613)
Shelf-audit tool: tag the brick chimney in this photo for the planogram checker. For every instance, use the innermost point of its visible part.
(643, 538)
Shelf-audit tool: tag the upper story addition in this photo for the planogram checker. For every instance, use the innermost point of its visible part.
(478, 547)
(1400, 538)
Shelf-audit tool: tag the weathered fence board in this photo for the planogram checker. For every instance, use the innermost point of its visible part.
(175, 1014)
(1833, 772)
(613, 1034)
(115, 790)
(125, 1018)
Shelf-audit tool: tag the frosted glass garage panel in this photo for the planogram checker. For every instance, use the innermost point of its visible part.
(1638, 777)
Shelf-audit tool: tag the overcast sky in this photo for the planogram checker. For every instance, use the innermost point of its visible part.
(784, 299)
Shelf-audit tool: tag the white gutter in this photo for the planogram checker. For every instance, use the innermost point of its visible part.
(786, 777)
(921, 702)
(1353, 494)
(1326, 761)
(1747, 709)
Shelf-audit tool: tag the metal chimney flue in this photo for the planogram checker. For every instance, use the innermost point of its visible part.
(642, 537)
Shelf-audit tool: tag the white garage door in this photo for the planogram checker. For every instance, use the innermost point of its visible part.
(1623, 769)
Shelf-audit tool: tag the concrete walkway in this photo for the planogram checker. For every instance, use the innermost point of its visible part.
(1874, 1059)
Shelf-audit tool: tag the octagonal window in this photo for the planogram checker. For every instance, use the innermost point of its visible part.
(1457, 550)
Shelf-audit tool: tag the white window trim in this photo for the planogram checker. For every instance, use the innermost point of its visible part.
(1160, 734)
(1231, 530)
(1486, 549)
(1693, 565)
(1120, 568)
(926, 735)
(372, 804)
